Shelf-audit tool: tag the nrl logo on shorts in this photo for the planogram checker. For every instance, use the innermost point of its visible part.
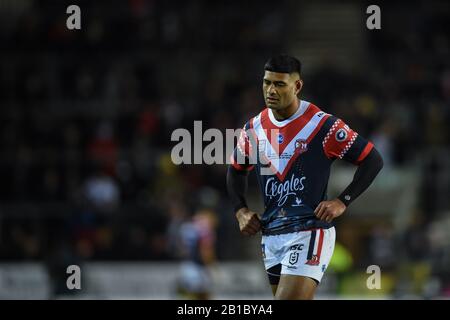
(293, 258)
(301, 145)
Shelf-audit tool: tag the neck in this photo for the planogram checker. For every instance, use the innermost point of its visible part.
(287, 112)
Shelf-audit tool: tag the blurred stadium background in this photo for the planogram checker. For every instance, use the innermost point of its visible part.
(86, 118)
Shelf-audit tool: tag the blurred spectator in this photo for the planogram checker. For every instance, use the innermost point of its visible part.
(196, 247)
(102, 192)
(103, 148)
(383, 139)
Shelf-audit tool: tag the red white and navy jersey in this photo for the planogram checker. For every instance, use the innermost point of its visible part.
(292, 159)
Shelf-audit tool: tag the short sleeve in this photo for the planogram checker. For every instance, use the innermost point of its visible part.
(240, 159)
(341, 142)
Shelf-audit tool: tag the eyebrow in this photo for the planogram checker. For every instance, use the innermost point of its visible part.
(276, 82)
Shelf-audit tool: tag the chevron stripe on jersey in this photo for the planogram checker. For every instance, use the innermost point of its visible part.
(282, 153)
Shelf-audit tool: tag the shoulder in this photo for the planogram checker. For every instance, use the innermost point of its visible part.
(327, 122)
(257, 119)
(314, 111)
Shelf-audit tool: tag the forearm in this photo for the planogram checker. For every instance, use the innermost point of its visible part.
(237, 187)
(363, 178)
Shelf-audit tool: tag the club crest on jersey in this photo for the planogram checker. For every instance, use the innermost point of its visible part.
(301, 145)
(341, 135)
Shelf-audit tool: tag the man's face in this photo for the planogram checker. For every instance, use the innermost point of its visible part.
(280, 89)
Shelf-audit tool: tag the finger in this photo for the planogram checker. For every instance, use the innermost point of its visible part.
(318, 208)
(255, 217)
(328, 212)
(329, 218)
(322, 211)
(251, 232)
(251, 229)
(255, 223)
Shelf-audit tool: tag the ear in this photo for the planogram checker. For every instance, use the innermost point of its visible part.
(298, 86)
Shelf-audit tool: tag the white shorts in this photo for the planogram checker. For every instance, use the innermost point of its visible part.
(303, 253)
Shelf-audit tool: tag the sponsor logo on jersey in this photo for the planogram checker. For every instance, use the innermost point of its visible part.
(341, 135)
(282, 190)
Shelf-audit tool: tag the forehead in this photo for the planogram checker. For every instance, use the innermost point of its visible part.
(276, 76)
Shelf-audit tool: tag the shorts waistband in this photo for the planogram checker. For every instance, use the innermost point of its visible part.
(297, 228)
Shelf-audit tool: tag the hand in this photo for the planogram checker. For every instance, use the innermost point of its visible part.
(328, 210)
(249, 222)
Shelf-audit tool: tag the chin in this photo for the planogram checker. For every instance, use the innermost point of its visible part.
(274, 106)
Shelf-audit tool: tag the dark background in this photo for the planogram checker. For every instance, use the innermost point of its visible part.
(86, 118)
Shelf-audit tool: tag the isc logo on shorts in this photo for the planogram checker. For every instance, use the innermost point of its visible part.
(297, 247)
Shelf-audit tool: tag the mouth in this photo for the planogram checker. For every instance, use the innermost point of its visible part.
(270, 99)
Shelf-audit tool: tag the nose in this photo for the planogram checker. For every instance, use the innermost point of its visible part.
(271, 89)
